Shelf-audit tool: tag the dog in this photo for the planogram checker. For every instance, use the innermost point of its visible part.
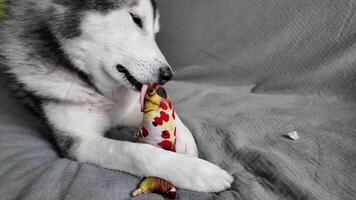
(81, 64)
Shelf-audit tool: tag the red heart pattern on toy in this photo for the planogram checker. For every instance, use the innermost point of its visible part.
(158, 126)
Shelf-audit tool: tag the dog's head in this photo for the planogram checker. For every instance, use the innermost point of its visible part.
(113, 41)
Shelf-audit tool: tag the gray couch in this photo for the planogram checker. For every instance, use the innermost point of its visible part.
(247, 73)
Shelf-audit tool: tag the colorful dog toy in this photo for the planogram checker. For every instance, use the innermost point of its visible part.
(156, 185)
(159, 129)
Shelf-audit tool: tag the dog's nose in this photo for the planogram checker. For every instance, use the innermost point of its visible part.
(165, 74)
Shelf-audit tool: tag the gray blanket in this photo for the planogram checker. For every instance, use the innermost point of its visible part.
(247, 73)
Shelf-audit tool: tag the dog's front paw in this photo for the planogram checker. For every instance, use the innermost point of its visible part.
(200, 175)
(206, 177)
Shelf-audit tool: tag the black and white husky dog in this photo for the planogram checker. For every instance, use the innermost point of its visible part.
(83, 62)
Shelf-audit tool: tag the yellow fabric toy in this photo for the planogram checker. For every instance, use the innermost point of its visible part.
(156, 185)
(159, 129)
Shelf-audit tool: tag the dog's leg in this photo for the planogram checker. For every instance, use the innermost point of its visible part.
(86, 124)
(185, 140)
(184, 171)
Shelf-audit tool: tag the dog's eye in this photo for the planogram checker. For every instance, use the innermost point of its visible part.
(137, 20)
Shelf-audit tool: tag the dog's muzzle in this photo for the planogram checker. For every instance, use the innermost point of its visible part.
(137, 84)
(165, 75)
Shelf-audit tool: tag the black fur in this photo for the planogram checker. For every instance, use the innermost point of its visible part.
(66, 144)
(99, 5)
(46, 45)
(18, 91)
(68, 23)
